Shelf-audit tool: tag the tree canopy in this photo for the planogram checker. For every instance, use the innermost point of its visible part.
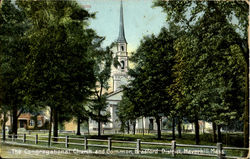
(152, 76)
(60, 66)
(13, 26)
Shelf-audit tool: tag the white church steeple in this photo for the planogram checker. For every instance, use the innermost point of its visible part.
(119, 74)
(121, 37)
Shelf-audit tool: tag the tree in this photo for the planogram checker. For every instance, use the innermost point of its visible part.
(13, 25)
(177, 12)
(59, 66)
(206, 71)
(102, 71)
(178, 109)
(81, 113)
(126, 113)
(183, 88)
(224, 67)
(152, 76)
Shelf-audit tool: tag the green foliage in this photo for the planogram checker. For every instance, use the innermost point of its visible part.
(59, 67)
(12, 51)
(59, 70)
(126, 112)
(102, 71)
(98, 109)
(13, 25)
(152, 74)
(211, 57)
(208, 70)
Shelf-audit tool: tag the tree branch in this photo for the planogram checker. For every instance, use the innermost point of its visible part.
(20, 112)
(96, 92)
(101, 89)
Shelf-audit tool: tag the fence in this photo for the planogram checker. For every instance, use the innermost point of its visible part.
(218, 150)
(47, 131)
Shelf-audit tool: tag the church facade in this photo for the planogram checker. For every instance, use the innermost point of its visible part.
(120, 77)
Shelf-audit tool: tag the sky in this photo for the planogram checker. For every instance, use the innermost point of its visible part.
(140, 19)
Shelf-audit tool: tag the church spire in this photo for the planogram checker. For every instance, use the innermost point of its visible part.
(121, 37)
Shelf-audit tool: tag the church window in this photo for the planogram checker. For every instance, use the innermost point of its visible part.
(122, 64)
(122, 48)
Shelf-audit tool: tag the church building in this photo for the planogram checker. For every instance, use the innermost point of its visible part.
(120, 77)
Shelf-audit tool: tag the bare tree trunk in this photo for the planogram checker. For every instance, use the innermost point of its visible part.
(35, 121)
(78, 126)
(246, 110)
(197, 135)
(179, 128)
(158, 122)
(173, 128)
(4, 124)
(214, 133)
(99, 128)
(14, 126)
(142, 127)
(99, 123)
(11, 122)
(88, 125)
(50, 126)
(134, 124)
(128, 128)
(55, 124)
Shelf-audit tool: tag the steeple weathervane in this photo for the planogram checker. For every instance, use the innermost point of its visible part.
(121, 37)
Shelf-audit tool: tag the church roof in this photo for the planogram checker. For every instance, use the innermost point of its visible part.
(121, 37)
(114, 93)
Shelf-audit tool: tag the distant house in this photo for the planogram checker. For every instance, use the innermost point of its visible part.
(26, 121)
(205, 127)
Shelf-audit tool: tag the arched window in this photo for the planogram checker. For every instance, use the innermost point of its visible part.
(122, 48)
(122, 64)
